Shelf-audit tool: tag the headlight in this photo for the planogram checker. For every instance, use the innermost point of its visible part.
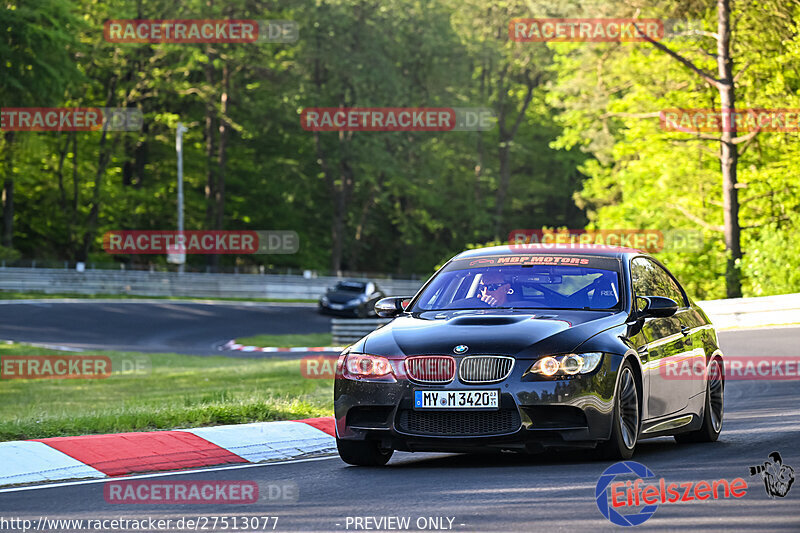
(547, 366)
(362, 366)
(572, 364)
(590, 361)
(354, 301)
(324, 300)
(566, 365)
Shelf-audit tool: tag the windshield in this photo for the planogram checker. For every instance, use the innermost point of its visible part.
(350, 286)
(524, 281)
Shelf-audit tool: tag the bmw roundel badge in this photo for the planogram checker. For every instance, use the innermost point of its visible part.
(461, 348)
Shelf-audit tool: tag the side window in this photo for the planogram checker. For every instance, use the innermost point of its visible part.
(649, 279)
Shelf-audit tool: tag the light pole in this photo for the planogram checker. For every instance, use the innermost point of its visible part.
(179, 149)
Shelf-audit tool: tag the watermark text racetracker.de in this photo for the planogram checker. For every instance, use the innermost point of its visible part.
(198, 492)
(730, 120)
(604, 30)
(70, 119)
(430, 119)
(648, 240)
(320, 366)
(693, 366)
(72, 366)
(201, 242)
(360, 365)
(585, 30)
(200, 31)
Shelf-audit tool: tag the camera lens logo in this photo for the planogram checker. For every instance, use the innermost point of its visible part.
(602, 493)
(778, 477)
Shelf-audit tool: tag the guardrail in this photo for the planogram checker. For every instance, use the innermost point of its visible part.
(190, 284)
(349, 330)
(747, 312)
(740, 312)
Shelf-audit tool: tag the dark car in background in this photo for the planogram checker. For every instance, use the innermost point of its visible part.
(523, 348)
(351, 298)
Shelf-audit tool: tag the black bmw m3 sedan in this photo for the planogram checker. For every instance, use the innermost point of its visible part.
(526, 348)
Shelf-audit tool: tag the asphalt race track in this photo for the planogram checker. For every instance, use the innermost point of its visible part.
(169, 326)
(553, 492)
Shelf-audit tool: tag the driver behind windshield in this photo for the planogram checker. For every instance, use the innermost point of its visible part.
(493, 289)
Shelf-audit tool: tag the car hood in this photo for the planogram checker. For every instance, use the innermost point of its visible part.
(504, 332)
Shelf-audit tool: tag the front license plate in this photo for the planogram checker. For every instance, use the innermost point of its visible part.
(455, 399)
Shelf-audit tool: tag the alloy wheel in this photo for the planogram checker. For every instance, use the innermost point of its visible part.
(715, 393)
(628, 409)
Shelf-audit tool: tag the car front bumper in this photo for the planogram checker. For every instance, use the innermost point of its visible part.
(347, 310)
(534, 412)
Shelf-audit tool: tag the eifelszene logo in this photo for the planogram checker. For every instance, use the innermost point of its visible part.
(614, 496)
(601, 493)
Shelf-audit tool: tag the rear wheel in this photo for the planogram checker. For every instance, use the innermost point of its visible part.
(714, 410)
(363, 452)
(626, 419)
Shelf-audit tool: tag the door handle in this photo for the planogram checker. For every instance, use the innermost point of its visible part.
(685, 330)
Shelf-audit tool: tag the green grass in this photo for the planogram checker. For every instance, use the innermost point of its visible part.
(31, 295)
(288, 341)
(179, 391)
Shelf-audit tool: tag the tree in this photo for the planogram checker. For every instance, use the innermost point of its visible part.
(724, 83)
(641, 176)
(37, 47)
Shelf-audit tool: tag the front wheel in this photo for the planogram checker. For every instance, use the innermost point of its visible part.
(363, 452)
(712, 414)
(626, 418)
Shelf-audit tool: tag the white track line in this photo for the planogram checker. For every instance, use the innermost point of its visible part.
(233, 346)
(752, 328)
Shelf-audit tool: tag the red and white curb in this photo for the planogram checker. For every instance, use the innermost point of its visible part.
(119, 454)
(231, 345)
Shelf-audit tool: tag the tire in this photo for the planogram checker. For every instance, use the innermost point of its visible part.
(363, 452)
(713, 411)
(627, 419)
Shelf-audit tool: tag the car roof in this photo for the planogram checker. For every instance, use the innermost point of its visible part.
(353, 282)
(570, 249)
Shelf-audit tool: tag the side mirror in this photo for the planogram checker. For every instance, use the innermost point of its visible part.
(657, 306)
(391, 307)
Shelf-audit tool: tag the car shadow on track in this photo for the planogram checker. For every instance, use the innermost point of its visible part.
(656, 448)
